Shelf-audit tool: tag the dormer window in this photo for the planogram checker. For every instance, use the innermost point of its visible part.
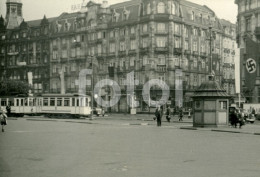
(66, 28)
(161, 8)
(125, 14)
(115, 16)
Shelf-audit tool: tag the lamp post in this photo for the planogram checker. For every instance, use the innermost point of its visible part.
(210, 47)
(92, 88)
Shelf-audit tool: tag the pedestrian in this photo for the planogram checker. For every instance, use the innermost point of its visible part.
(241, 120)
(168, 114)
(3, 118)
(8, 109)
(103, 112)
(233, 119)
(189, 115)
(158, 115)
(180, 114)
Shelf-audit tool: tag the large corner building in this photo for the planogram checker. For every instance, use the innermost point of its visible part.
(169, 40)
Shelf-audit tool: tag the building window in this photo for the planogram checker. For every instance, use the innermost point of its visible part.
(192, 16)
(173, 10)
(161, 7)
(177, 28)
(144, 28)
(195, 46)
(186, 45)
(99, 48)
(148, 8)
(248, 24)
(177, 42)
(161, 41)
(122, 46)
(112, 47)
(132, 30)
(161, 27)
(133, 45)
(161, 60)
(145, 42)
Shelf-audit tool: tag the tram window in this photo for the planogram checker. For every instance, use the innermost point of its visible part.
(81, 102)
(3, 103)
(77, 102)
(11, 103)
(52, 102)
(26, 102)
(59, 102)
(66, 102)
(17, 102)
(86, 102)
(22, 102)
(45, 102)
(30, 102)
(73, 101)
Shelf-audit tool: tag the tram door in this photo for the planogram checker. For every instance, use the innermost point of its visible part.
(20, 105)
(38, 105)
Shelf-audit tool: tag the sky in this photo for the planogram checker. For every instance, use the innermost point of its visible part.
(36, 9)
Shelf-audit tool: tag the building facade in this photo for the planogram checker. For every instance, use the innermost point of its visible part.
(248, 21)
(174, 41)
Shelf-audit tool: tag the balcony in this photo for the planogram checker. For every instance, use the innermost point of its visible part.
(203, 54)
(177, 51)
(161, 68)
(144, 50)
(195, 53)
(122, 53)
(146, 67)
(187, 52)
(161, 49)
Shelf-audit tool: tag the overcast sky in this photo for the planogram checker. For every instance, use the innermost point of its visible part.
(35, 9)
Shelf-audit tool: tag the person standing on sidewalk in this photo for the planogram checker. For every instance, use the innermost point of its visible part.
(180, 114)
(3, 119)
(168, 114)
(158, 115)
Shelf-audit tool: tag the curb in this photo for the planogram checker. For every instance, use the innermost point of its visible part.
(188, 128)
(226, 131)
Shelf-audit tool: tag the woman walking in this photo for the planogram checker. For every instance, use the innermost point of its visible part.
(3, 118)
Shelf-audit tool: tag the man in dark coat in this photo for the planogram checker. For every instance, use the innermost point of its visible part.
(159, 114)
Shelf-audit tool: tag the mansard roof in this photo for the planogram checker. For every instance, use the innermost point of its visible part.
(37, 23)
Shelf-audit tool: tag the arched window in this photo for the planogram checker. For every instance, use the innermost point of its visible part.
(161, 7)
(173, 8)
(148, 9)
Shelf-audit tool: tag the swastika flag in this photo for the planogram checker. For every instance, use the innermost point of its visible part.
(252, 57)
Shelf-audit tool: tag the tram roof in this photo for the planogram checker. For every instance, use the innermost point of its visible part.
(64, 95)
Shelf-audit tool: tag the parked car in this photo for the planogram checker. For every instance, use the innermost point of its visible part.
(97, 111)
(250, 118)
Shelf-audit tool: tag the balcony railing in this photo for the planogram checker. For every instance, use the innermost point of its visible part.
(161, 68)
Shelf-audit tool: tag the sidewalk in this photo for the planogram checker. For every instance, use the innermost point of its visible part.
(246, 129)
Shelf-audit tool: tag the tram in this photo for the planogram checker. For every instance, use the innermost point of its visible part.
(49, 105)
